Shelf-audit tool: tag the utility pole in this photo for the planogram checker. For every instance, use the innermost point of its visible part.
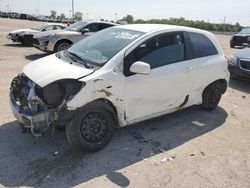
(73, 11)
(8, 10)
(116, 17)
(38, 7)
(224, 22)
(70, 16)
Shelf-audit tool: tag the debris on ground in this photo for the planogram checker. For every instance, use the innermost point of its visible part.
(139, 152)
(138, 137)
(244, 97)
(56, 153)
(153, 129)
(163, 159)
(168, 159)
(202, 153)
(156, 146)
(192, 154)
(233, 114)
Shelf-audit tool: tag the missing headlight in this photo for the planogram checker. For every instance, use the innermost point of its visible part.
(54, 93)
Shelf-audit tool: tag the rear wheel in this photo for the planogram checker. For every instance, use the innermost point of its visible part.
(62, 45)
(211, 96)
(92, 129)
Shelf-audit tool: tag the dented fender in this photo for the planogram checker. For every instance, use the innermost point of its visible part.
(106, 86)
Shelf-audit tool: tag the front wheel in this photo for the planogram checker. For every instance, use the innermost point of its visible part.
(92, 129)
(211, 96)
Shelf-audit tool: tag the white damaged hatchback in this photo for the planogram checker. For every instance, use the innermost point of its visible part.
(119, 76)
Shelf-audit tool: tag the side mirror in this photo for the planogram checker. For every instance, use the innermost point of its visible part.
(140, 67)
(85, 30)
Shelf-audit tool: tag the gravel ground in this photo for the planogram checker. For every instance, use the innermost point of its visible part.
(190, 148)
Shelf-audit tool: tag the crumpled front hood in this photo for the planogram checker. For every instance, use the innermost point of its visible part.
(22, 30)
(57, 32)
(49, 69)
(243, 53)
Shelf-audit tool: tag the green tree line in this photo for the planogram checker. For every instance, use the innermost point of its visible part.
(190, 23)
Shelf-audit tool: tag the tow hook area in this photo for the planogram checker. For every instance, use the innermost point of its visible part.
(30, 108)
(36, 122)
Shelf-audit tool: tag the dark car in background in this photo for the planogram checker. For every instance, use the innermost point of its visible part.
(241, 38)
(239, 63)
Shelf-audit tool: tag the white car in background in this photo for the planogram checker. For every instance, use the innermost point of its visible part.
(55, 41)
(120, 76)
(25, 36)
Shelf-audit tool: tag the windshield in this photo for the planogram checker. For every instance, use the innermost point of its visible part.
(76, 26)
(102, 46)
(40, 27)
(245, 31)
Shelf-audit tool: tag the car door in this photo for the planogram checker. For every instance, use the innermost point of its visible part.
(169, 83)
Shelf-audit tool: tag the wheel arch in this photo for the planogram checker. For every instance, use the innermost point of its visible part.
(222, 83)
(107, 104)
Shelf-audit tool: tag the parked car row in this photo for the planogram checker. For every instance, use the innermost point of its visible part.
(116, 77)
(54, 37)
(25, 36)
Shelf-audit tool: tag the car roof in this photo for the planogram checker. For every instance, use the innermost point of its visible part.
(55, 24)
(97, 21)
(148, 28)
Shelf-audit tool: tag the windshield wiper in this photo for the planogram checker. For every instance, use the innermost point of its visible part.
(78, 59)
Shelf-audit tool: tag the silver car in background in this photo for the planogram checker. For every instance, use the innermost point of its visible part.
(54, 41)
(25, 36)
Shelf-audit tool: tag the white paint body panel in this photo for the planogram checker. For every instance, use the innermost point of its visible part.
(49, 69)
(138, 97)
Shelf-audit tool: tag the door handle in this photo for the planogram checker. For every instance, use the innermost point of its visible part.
(188, 69)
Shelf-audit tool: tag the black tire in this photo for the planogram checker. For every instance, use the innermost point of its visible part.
(92, 128)
(211, 96)
(62, 45)
(232, 45)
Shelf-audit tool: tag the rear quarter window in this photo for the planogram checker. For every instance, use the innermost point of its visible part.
(202, 46)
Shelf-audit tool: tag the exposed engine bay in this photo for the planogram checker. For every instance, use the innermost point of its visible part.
(38, 108)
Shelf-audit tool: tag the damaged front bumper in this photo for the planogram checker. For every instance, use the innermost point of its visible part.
(13, 37)
(37, 108)
(36, 122)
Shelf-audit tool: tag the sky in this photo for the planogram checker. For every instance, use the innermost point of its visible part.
(214, 11)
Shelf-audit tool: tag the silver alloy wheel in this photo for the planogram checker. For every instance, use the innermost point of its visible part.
(63, 46)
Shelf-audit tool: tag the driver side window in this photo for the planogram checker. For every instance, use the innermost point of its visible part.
(158, 51)
(49, 28)
(93, 27)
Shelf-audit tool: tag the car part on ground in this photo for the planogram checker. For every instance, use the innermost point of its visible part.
(54, 41)
(106, 81)
(25, 36)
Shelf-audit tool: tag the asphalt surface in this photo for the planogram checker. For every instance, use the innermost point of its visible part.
(189, 148)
